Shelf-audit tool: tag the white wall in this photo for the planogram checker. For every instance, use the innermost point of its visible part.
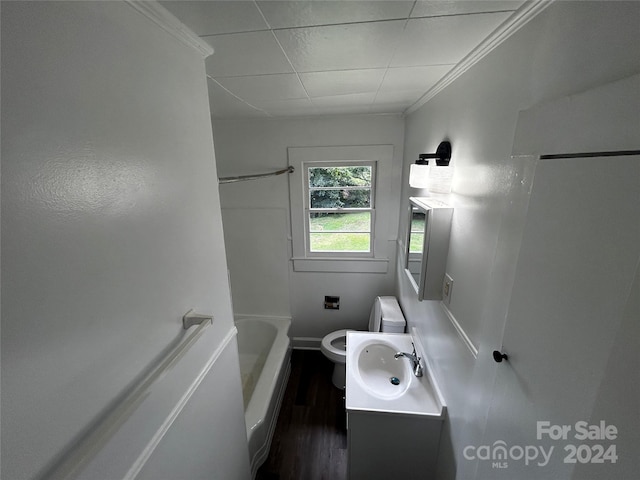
(111, 224)
(262, 281)
(569, 48)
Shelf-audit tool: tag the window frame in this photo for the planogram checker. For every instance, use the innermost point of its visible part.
(306, 166)
(384, 230)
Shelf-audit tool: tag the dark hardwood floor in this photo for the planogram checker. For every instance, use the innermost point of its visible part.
(310, 440)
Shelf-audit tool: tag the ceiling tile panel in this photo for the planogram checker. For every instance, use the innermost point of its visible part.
(254, 53)
(342, 82)
(309, 13)
(343, 110)
(430, 8)
(223, 104)
(444, 40)
(315, 57)
(265, 87)
(413, 78)
(214, 17)
(291, 107)
(343, 47)
(346, 100)
(404, 97)
(389, 108)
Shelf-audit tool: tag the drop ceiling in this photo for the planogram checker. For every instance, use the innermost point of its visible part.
(319, 57)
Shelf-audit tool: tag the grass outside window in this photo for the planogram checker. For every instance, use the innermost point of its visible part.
(416, 239)
(340, 232)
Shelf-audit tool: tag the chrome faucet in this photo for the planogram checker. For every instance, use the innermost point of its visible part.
(413, 358)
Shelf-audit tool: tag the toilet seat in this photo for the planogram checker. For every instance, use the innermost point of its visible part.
(334, 345)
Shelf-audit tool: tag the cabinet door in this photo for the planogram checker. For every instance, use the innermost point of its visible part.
(385, 446)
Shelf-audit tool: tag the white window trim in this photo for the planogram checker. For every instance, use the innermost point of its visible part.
(375, 262)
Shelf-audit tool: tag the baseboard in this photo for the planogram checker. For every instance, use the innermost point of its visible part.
(306, 343)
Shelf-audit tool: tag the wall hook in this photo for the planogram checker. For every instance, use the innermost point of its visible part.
(499, 356)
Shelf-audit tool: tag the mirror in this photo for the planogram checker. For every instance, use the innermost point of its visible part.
(427, 246)
(415, 244)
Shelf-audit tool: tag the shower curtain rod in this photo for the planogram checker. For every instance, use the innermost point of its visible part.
(242, 178)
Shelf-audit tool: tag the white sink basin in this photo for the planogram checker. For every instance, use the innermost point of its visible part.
(379, 372)
(376, 381)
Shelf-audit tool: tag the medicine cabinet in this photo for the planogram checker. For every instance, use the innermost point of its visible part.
(427, 245)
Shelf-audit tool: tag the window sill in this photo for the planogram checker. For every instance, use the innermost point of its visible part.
(341, 265)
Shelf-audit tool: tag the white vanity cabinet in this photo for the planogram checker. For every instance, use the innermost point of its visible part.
(394, 418)
(386, 446)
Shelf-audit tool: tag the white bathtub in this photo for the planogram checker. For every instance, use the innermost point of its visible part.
(265, 364)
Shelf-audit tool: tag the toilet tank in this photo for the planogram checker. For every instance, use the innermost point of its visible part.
(386, 316)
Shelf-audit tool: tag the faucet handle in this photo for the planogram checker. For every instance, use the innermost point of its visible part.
(417, 369)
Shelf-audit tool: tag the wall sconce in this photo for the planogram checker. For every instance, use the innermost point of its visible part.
(436, 178)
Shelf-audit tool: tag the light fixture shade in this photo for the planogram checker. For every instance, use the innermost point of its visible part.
(419, 176)
(440, 179)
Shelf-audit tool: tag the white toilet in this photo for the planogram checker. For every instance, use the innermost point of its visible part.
(385, 316)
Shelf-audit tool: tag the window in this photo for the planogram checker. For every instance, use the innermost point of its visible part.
(340, 208)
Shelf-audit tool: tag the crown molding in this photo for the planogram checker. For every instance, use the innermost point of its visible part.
(515, 22)
(170, 24)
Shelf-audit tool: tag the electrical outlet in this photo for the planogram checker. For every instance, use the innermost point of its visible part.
(447, 289)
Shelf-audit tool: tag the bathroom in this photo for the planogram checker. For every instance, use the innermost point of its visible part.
(72, 325)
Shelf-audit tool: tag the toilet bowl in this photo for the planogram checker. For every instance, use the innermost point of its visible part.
(385, 316)
(334, 347)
